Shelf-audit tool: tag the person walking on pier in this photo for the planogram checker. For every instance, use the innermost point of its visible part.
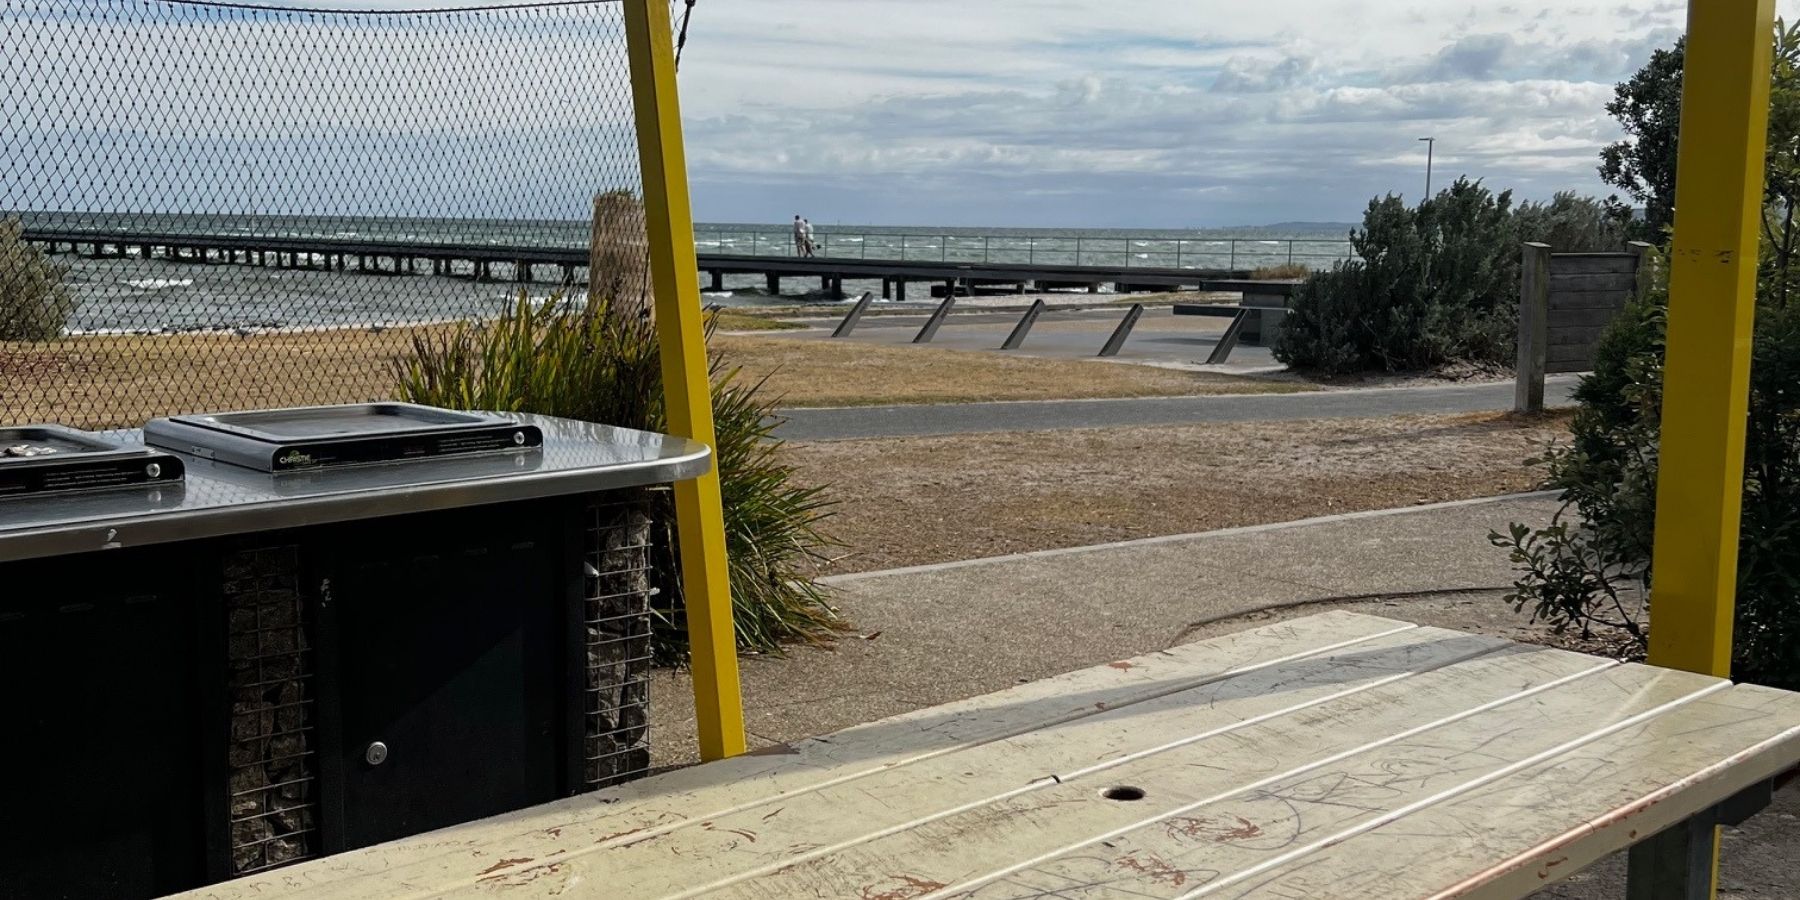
(806, 226)
(799, 235)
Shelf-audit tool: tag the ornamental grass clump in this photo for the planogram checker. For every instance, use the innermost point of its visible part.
(600, 362)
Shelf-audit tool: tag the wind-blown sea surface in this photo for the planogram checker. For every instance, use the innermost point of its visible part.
(149, 295)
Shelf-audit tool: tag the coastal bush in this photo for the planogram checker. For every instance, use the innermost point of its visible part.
(1607, 475)
(1281, 271)
(600, 363)
(1571, 223)
(35, 303)
(1429, 286)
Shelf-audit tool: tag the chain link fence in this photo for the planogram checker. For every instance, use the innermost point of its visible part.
(212, 206)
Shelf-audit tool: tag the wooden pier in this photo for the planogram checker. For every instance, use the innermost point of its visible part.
(568, 265)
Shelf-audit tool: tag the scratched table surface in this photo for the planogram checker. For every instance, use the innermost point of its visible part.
(1338, 755)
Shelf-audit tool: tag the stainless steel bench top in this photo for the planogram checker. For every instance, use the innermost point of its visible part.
(220, 499)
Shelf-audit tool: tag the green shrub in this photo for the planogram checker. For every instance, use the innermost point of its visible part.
(1607, 474)
(1281, 271)
(1571, 223)
(601, 364)
(1428, 286)
(35, 303)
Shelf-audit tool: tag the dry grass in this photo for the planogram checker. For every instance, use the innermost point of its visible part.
(121, 380)
(827, 373)
(908, 501)
(733, 320)
(112, 381)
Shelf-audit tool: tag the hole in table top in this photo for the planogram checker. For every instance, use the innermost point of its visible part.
(1123, 792)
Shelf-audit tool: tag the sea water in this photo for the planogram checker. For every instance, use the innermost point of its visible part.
(157, 295)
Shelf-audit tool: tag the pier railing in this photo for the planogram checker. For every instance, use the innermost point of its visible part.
(1120, 252)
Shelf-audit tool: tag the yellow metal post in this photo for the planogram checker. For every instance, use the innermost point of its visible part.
(675, 281)
(1706, 377)
(1712, 302)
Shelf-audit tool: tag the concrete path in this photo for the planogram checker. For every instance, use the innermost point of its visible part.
(933, 634)
(849, 423)
(930, 635)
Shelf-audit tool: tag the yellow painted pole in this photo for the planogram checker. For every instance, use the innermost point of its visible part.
(1712, 303)
(675, 282)
(1706, 377)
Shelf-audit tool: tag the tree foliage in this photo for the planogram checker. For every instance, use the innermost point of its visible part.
(1648, 108)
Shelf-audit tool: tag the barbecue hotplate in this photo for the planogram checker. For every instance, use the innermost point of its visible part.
(315, 437)
(38, 459)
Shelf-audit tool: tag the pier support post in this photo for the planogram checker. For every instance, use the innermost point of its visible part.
(774, 283)
(836, 289)
(950, 287)
(718, 280)
(887, 288)
(899, 290)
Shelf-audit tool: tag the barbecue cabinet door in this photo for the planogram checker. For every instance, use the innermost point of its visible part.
(448, 670)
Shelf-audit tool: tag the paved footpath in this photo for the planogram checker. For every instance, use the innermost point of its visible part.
(933, 634)
(850, 423)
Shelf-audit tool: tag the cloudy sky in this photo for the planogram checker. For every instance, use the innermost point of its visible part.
(1056, 113)
(1155, 113)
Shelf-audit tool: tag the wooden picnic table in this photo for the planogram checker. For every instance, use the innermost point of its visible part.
(1332, 756)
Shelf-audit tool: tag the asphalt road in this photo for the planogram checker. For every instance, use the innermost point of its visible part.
(849, 423)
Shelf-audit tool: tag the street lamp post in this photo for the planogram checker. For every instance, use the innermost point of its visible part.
(1430, 145)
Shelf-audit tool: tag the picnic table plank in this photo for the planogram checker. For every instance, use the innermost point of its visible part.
(1609, 795)
(1219, 810)
(687, 797)
(1257, 828)
(1332, 756)
(1005, 773)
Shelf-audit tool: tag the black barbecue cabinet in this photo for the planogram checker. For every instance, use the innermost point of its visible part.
(238, 640)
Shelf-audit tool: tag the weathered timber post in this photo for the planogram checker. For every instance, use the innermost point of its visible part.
(1017, 338)
(849, 324)
(1117, 341)
(937, 318)
(1646, 266)
(1534, 328)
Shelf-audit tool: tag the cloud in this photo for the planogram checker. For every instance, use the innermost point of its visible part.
(1026, 112)
(1138, 112)
(1248, 75)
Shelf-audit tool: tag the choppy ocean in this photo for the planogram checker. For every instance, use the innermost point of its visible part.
(138, 295)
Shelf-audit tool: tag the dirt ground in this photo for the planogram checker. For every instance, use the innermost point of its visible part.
(824, 373)
(909, 501)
